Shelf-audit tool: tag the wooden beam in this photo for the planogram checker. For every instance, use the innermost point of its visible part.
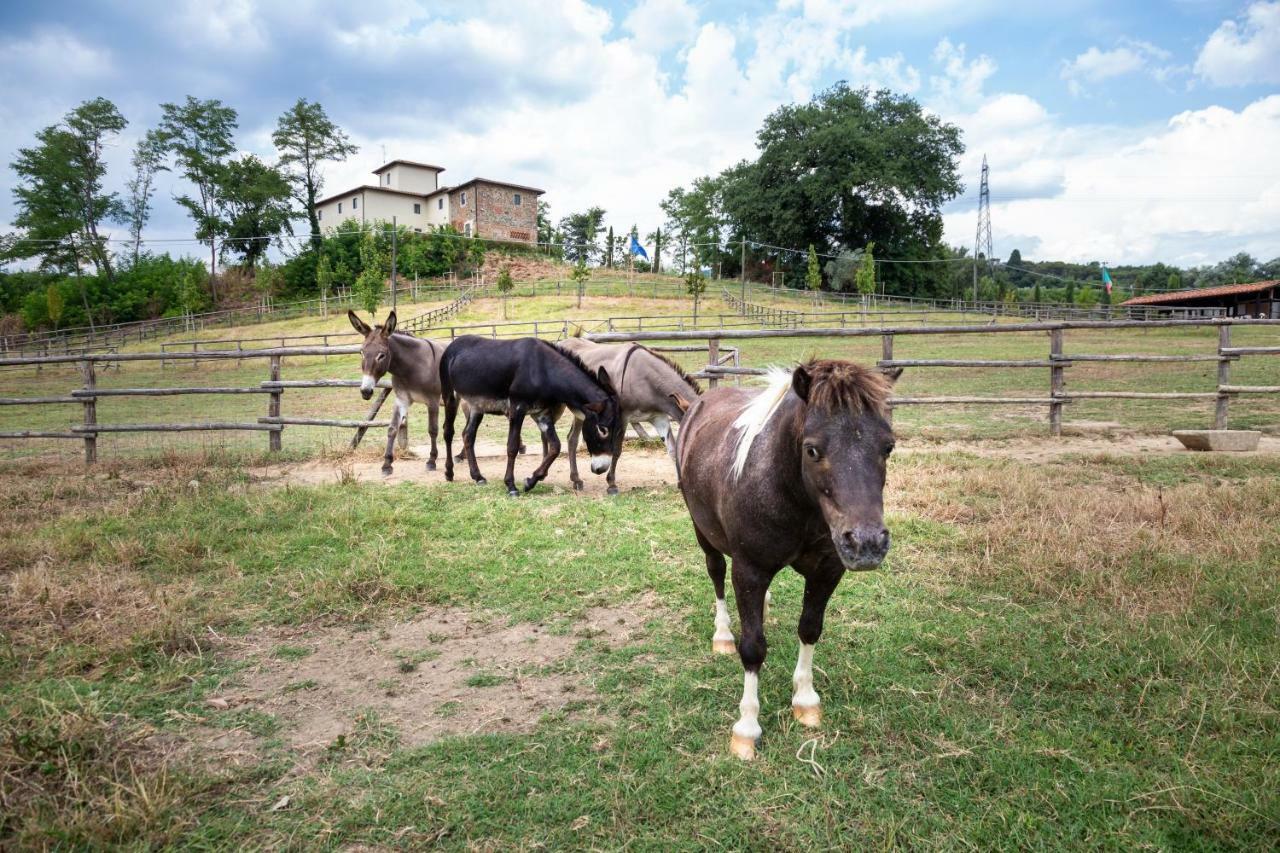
(36, 401)
(212, 426)
(334, 422)
(161, 392)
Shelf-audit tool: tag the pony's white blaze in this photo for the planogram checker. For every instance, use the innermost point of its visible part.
(756, 415)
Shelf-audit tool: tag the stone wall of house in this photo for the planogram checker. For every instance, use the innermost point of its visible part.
(498, 217)
(461, 214)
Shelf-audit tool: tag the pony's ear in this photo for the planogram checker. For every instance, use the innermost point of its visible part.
(893, 375)
(389, 326)
(360, 325)
(603, 376)
(800, 382)
(681, 403)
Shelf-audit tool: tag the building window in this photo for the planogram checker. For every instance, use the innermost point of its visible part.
(339, 207)
(355, 203)
(466, 229)
(417, 230)
(388, 179)
(319, 215)
(463, 200)
(417, 208)
(440, 203)
(515, 199)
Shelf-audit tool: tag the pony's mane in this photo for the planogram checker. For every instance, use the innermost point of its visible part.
(689, 380)
(844, 386)
(833, 386)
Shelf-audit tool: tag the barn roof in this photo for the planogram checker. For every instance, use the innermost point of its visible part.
(1203, 293)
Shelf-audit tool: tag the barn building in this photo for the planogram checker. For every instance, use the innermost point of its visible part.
(411, 192)
(1260, 299)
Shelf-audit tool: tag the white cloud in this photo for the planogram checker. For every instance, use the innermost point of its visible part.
(59, 54)
(659, 25)
(1239, 54)
(1129, 56)
(961, 82)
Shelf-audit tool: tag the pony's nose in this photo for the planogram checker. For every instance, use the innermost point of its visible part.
(868, 540)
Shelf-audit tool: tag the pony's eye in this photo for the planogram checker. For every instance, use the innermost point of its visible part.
(812, 451)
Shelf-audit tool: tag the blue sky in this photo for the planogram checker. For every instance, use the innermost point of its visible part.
(1124, 132)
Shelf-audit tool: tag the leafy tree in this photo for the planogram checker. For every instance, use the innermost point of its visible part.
(148, 159)
(1035, 294)
(189, 296)
(373, 275)
(306, 139)
(580, 275)
(1174, 281)
(1070, 296)
(865, 278)
(55, 303)
(60, 196)
(608, 257)
(255, 204)
(842, 269)
(656, 239)
(581, 234)
(695, 285)
(546, 231)
(813, 273)
(268, 278)
(198, 135)
(697, 215)
(505, 285)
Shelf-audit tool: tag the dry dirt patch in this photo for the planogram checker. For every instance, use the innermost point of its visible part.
(446, 671)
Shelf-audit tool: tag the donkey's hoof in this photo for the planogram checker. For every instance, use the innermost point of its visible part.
(431, 465)
(529, 483)
(742, 746)
(481, 481)
(807, 715)
(461, 457)
(448, 476)
(723, 647)
(577, 485)
(513, 493)
(522, 449)
(386, 470)
(612, 490)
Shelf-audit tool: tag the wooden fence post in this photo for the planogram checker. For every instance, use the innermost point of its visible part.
(713, 359)
(1056, 381)
(886, 353)
(273, 406)
(90, 413)
(1224, 378)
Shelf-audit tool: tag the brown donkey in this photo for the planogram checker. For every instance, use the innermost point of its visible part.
(414, 365)
(792, 475)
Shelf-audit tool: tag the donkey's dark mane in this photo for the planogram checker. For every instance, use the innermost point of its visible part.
(844, 386)
(577, 362)
(689, 380)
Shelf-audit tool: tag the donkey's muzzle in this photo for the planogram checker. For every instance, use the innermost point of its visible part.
(367, 393)
(862, 547)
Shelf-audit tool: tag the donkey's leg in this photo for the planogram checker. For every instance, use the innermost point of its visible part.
(469, 445)
(818, 586)
(547, 425)
(722, 639)
(515, 421)
(393, 430)
(575, 430)
(610, 478)
(466, 415)
(433, 415)
(749, 585)
(663, 425)
(450, 414)
(402, 435)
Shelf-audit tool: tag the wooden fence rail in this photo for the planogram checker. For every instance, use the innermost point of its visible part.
(722, 362)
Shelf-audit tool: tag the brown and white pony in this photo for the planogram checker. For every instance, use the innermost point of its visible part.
(789, 476)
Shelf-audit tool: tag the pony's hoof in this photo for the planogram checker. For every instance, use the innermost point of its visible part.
(723, 647)
(529, 483)
(743, 747)
(448, 476)
(461, 457)
(513, 493)
(522, 449)
(577, 485)
(807, 715)
(386, 470)
(612, 490)
(481, 481)
(431, 466)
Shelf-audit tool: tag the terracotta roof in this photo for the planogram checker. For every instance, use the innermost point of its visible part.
(366, 188)
(1202, 293)
(390, 163)
(500, 184)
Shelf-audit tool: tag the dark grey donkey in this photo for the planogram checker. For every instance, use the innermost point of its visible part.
(414, 365)
(650, 388)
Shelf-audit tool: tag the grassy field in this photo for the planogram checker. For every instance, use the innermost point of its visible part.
(610, 299)
(1075, 654)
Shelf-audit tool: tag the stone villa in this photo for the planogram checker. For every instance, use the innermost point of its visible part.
(411, 192)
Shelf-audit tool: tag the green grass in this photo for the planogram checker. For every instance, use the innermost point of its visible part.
(1080, 654)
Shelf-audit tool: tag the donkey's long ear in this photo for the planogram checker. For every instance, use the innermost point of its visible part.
(893, 375)
(360, 325)
(389, 326)
(800, 382)
(681, 403)
(602, 376)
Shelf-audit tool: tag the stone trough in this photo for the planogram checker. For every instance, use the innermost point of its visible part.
(1233, 440)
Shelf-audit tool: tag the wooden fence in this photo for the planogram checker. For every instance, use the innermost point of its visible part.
(1056, 361)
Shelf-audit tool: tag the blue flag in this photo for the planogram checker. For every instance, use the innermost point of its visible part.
(637, 249)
